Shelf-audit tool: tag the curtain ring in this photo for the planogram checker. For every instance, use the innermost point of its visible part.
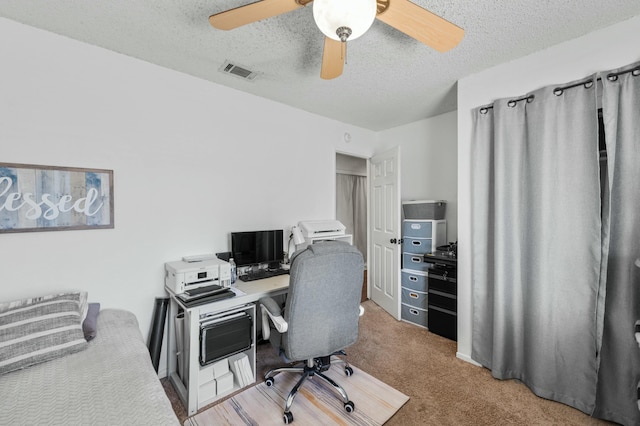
(612, 77)
(558, 91)
(484, 110)
(530, 98)
(511, 103)
(635, 72)
(588, 84)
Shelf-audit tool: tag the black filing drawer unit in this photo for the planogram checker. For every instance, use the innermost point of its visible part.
(443, 322)
(442, 304)
(443, 300)
(442, 282)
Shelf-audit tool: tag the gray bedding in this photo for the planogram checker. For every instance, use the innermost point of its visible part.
(110, 383)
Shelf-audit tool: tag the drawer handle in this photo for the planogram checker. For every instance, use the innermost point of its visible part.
(446, 311)
(416, 260)
(414, 295)
(416, 243)
(416, 226)
(412, 278)
(442, 278)
(414, 311)
(440, 293)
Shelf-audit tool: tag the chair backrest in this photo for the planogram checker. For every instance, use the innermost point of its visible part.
(323, 302)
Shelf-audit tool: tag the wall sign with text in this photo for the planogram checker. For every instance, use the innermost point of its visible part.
(49, 198)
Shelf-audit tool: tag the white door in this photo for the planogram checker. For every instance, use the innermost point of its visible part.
(384, 250)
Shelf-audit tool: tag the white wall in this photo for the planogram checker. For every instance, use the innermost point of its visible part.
(192, 161)
(428, 153)
(601, 50)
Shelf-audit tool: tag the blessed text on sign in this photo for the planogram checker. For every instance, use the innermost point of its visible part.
(48, 198)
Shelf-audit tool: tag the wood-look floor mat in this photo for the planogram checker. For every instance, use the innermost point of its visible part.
(316, 403)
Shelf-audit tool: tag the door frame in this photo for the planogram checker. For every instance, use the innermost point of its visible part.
(368, 217)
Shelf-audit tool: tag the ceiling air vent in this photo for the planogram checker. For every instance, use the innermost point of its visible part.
(238, 71)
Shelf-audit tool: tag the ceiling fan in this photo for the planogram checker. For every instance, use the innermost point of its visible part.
(342, 20)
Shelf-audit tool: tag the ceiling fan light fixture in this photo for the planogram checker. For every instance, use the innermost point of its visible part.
(335, 17)
(343, 33)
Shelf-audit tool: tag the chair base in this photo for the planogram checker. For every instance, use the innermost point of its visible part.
(312, 367)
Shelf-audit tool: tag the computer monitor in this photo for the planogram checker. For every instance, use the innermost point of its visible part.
(256, 247)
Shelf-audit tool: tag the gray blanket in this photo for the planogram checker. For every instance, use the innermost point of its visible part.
(110, 383)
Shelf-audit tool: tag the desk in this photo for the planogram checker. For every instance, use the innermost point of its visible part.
(188, 386)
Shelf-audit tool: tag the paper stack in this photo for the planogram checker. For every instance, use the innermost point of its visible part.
(241, 369)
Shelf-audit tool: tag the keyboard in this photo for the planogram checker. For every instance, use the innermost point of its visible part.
(262, 274)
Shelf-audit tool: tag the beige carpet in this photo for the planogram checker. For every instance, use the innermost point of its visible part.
(443, 389)
(315, 404)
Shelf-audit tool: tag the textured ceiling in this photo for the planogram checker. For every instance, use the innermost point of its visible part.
(389, 79)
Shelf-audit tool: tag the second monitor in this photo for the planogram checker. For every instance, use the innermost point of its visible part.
(257, 247)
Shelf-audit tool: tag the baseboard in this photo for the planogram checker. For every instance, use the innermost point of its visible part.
(466, 358)
(162, 372)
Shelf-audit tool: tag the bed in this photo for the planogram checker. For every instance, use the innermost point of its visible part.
(110, 382)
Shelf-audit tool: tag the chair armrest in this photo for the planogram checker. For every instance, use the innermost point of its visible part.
(270, 310)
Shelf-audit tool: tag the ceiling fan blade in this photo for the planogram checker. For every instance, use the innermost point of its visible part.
(332, 58)
(422, 25)
(243, 15)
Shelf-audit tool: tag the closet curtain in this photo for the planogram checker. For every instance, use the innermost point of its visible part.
(351, 208)
(619, 373)
(555, 289)
(537, 244)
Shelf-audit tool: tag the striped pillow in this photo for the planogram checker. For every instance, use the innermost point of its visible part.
(40, 329)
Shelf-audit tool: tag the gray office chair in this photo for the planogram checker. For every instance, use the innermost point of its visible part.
(320, 317)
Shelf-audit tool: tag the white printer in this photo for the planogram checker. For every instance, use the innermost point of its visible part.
(181, 276)
(320, 230)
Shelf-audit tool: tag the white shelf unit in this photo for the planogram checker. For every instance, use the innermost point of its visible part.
(193, 382)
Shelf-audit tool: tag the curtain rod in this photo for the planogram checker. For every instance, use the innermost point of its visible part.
(350, 173)
(560, 89)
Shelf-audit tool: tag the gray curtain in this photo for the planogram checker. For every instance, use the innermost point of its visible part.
(537, 243)
(556, 294)
(351, 208)
(619, 371)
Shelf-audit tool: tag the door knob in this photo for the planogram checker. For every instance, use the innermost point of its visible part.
(393, 241)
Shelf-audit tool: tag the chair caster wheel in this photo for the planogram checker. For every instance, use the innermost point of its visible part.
(348, 371)
(269, 382)
(349, 406)
(288, 418)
